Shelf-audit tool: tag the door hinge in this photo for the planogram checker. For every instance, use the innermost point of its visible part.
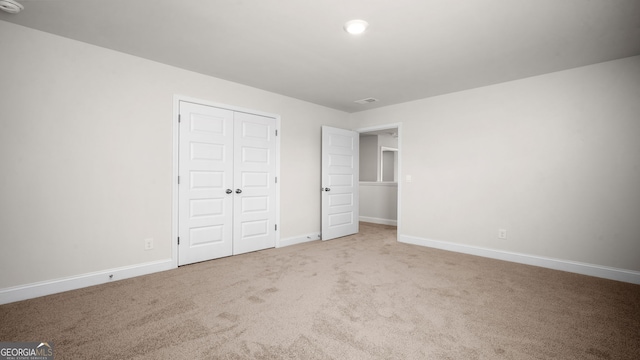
(179, 118)
(178, 180)
(276, 227)
(276, 132)
(276, 179)
(178, 240)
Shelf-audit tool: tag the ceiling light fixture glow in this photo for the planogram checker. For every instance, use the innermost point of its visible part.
(355, 27)
(11, 6)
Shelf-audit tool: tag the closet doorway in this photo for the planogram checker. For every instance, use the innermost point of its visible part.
(226, 183)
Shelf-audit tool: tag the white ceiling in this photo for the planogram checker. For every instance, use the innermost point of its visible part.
(413, 48)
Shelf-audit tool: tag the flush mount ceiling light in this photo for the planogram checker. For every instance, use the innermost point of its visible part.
(355, 27)
(11, 6)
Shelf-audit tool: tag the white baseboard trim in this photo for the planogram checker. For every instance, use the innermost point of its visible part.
(30, 291)
(605, 272)
(378, 220)
(299, 239)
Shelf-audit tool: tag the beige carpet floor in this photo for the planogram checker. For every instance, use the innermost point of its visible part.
(359, 297)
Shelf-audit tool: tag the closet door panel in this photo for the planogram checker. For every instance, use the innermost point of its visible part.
(255, 178)
(205, 215)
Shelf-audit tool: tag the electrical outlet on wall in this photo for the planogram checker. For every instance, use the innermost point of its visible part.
(502, 233)
(148, 244)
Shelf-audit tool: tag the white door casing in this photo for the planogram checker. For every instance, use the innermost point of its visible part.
(340, 179)
(206, 172)
(227, 196)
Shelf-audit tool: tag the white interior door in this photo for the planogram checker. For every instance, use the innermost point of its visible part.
(205, 214)
(255, 183)
(340, 177)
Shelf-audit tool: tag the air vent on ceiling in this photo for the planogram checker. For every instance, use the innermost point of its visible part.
(366, 101)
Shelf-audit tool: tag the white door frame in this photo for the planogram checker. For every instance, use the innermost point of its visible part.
(174, 174)
(400, 173)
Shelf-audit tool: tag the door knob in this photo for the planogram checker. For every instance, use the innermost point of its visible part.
(238, 191)
(229, 191)
(327, 189)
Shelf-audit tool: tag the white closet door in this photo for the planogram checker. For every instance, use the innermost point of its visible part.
(340, 182)
(205, 217)
(255, 182)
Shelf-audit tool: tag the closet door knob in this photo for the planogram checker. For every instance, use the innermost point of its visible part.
(229, 191)
(238, 191)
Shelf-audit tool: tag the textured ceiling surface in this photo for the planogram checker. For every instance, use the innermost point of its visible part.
(413, 48)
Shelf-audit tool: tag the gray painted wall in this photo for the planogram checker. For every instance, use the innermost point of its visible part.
(554, 159)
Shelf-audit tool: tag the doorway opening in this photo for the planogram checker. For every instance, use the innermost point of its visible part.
(380, 174)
